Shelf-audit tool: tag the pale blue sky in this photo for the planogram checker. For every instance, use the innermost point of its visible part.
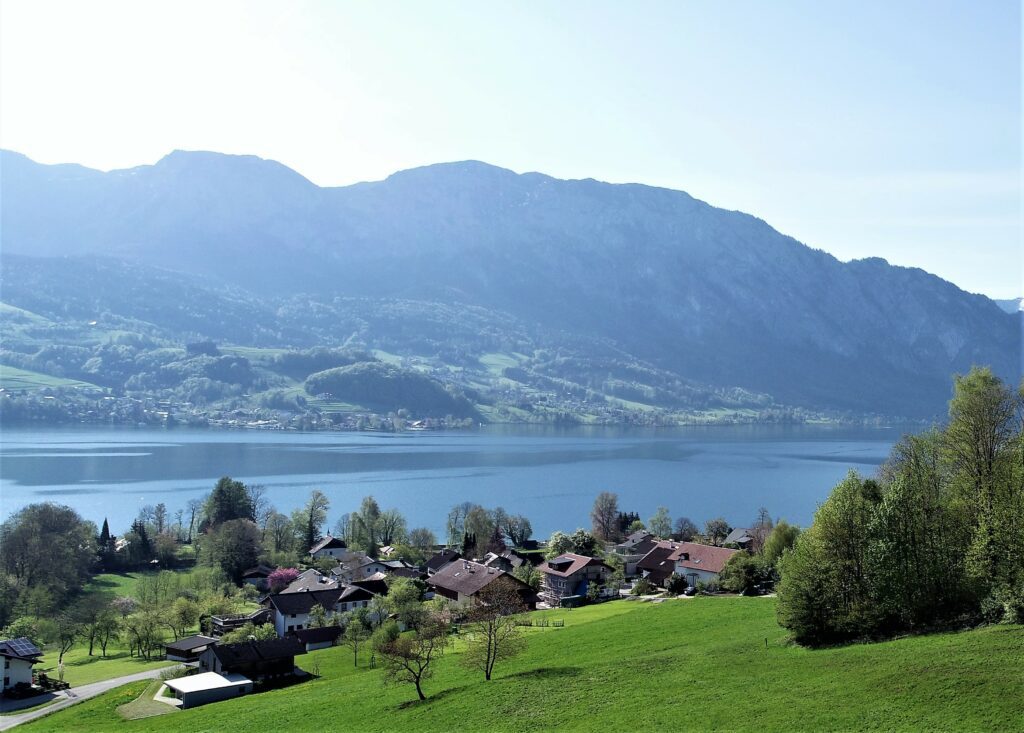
(887, 129)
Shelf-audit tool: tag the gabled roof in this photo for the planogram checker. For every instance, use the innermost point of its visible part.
(636, 538)
(702, 557)
(355, 593)
(468, 577)
(658, 564)
(328, 543)
(310, 580)
(442, 558)
(375, 584)
(511, 556)
(20, 648)
(289, 603)
(257, 651)
(739, 536)
(567, 564)
(191, 642)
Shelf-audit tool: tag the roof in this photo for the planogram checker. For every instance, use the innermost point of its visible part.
(310, 580)
(191, 642)
(289, 603)
(568, 563)
(207, 681)
(635, 539)
(414, 573)
(260, 571)
(328, 543)
(257, 651)
(701, 557)
(318, 635)
(658, 563)
(442, 558)
(19, 648)
(511, 556)
(355, 593)
(374, 584)
(468, 578)
(739, 536)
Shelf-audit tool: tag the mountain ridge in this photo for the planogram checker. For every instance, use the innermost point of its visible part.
(716, 295)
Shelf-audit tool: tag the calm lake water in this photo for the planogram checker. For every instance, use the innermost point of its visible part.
(549, 475)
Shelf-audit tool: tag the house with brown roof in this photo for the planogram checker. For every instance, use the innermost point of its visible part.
(633, 548)
(461, 581)
(441, 559)
(189, 648)
(690, 560)
(570, 574)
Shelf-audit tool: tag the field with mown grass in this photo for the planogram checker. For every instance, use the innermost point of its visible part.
(683, 664)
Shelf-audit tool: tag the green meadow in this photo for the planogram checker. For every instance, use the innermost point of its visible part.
(700, 664)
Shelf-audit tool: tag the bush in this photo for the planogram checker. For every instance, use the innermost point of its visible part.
(642, 587)
(676, 584)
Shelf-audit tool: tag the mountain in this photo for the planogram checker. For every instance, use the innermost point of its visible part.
(1013, 305)
(714, 296)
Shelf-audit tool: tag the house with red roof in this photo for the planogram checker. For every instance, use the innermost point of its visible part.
(690, 560)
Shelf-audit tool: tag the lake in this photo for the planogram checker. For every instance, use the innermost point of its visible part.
(550, 475)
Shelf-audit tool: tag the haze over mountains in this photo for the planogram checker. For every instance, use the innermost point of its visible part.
(614, 273)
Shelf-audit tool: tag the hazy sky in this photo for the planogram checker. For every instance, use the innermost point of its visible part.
(887, 129)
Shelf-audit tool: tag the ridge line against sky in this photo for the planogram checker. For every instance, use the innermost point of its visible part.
(881, 129)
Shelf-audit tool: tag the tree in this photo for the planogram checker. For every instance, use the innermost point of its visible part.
(249, 632)
(604, 516)
(403, 600)
(636, 526)
(235, 546)
(281, 578)
(716, 530)
(480, 526)
(780, 540)
(314, 514)
(104, 537)
(660, 525)
(364, 526)
(422, 539)
(279, 532)
(742, 573)
(760, 530)
(68, 631)
(354, 637)
(183, 615)
(410, 657)
(194, 508)
(106, 630)
(685, 530)
(228, 501)
(317, 616)
(160, 517)
(493, 634)
(528, 574)
(391, 527)
(124, 605)
(518, 529)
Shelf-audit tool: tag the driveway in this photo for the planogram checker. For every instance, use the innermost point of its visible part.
(76, 694)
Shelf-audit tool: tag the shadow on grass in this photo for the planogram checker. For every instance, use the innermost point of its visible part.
(543, 673)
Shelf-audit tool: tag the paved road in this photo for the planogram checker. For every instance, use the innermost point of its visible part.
(76, 694)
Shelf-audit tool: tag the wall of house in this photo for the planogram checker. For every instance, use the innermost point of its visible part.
(16, 671)
(202, 697)
(335, 552)
(701, 575)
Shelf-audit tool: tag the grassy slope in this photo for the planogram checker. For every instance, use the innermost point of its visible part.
(699, 664)
(16, 379)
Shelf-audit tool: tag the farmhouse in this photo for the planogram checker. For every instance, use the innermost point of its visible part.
(329, 547)
(508, 560)
(253, 659)
(19, 655)
(690, 560)
(741, 537)
(570, 574)
(311, 579)
(199, 689)
(461, 581)
(290, 611)
(189, 648)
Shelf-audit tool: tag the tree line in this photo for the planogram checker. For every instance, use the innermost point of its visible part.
(935, 540)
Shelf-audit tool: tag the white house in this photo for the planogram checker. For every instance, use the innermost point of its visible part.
(290, 611)
(19, 655)
(329, 547)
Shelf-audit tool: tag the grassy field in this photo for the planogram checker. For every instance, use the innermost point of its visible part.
(14, 379)
(715, 663)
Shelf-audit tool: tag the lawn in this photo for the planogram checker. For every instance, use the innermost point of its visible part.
(707, 663)
(17, 380)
